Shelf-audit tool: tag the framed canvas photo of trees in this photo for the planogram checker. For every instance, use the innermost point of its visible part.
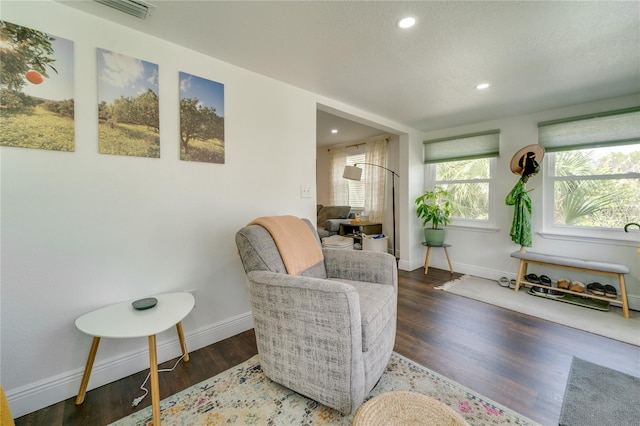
(128, 108)
(36, 89)
(201, 119)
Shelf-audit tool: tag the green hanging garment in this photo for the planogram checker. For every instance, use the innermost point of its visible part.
(521, 226)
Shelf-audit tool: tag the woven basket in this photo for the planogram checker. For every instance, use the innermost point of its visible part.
(406, 408)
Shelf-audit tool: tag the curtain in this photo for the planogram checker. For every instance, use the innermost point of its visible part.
(376, 180)
(338, 186)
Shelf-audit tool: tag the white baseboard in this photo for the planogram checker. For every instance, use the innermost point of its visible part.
(34, 396)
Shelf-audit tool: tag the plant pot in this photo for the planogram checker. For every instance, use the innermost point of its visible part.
(434, 237)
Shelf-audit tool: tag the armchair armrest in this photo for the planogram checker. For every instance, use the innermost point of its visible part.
(317, 349)
(357, 265)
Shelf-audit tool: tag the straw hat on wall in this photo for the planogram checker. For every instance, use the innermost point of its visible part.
(519, 160)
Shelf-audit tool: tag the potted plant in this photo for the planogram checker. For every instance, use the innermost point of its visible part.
(435, 207)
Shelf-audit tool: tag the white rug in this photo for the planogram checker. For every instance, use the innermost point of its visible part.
(610, 324)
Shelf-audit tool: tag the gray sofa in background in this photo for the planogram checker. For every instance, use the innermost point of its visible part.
(330, 218)
(329, 332)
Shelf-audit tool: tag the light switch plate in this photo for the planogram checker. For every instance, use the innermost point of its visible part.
(305, 191)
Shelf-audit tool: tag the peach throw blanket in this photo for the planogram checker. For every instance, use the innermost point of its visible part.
(295, 241)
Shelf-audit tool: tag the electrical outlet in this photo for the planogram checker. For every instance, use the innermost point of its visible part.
(194, 292)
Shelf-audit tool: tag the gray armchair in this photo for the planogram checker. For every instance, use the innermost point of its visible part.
(329, 332)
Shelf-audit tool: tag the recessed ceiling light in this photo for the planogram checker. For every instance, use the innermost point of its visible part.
(483, 86)
(407, 22)
(334, 130)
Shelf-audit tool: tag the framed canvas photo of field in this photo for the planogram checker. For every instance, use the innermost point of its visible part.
(36, 89)
(128, 108)
(201, 119)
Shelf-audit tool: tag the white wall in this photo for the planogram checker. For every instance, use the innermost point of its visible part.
(486, 253)
(83, 230)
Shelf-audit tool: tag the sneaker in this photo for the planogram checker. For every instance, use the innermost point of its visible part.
(555, 293)
(503, 282)
(539, 290)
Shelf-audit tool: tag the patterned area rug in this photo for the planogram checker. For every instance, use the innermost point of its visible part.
(244, 395)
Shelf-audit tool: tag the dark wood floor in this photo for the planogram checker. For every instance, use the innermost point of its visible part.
(516, 360)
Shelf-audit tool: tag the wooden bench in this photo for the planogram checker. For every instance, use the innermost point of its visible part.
(614, 270)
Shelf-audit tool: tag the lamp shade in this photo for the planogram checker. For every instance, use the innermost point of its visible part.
(352, 173)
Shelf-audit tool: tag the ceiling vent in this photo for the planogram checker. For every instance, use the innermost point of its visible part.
(135, 8)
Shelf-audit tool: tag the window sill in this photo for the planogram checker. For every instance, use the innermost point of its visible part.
(590, 239)
(488, 228)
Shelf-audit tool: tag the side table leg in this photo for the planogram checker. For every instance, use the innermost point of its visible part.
(183, 345)
(426, 260)
(448, 261)
(87, 371)
(155, 389)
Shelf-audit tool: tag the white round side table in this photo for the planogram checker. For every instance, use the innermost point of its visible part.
(124, 321)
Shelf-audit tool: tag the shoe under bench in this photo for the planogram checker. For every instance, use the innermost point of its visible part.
(614, 270)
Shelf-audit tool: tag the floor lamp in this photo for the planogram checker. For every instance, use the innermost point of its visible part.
(355, 173)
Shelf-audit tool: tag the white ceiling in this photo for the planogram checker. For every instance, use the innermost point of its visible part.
(536, 55)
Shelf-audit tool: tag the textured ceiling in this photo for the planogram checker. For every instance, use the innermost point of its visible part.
(536, 55)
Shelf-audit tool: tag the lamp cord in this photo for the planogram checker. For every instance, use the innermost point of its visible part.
(139, 399)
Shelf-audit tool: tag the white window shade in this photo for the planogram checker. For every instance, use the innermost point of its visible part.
(463, 147)
(620, 127)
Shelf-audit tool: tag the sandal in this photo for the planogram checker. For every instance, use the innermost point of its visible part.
(503, 282)
(532, 278)
(545, 280)
(610, 291)
(596, 288)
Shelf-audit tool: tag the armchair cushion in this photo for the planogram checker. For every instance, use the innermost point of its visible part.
(377, 306)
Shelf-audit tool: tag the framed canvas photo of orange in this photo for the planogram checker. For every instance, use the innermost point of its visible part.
(128, 106)
(36, 89)
(201, 119)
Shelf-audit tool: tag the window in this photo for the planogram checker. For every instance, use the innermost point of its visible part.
(468, 181)
(592, 171)
(464, 166)
(356, 188)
